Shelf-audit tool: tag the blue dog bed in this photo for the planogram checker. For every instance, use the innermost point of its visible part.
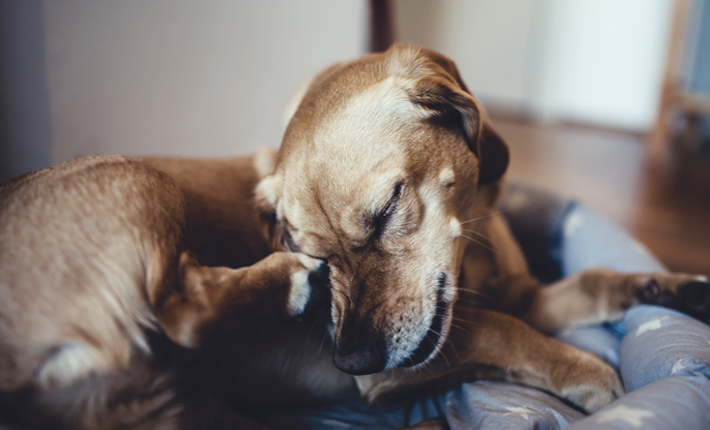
(663, 356)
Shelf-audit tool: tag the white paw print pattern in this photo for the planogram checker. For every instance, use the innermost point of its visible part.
(631, 416)
(651, 325)
(521, 411)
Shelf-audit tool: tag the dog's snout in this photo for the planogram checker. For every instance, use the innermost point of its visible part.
(362, 360)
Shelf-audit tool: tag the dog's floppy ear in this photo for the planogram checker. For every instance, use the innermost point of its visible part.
(445, 93)
(494, 153)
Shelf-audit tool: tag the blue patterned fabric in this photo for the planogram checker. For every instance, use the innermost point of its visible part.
(663, 357)
(498, 405)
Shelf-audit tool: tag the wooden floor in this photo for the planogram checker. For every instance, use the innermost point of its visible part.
(667, 209)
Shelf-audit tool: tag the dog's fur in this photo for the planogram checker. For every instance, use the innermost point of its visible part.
(95, 256)
(389, 171)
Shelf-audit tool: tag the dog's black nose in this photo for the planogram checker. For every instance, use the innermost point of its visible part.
(360, 361)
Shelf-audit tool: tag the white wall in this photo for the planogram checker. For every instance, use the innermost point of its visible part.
(185, 77)
(605, 61)
(489, 40)
(592, 61)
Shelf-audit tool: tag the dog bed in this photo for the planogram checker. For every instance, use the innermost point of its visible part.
(663, 356)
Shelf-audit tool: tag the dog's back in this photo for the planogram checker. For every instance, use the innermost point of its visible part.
(79, 243)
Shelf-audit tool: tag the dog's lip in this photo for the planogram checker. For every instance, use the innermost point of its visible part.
(430, 342)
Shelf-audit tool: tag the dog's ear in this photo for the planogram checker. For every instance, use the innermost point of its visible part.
(494, 151)
(447, 64)
(445, 93)
(266, 197)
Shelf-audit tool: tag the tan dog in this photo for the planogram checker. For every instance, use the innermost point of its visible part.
(387, 165)
(94, 258)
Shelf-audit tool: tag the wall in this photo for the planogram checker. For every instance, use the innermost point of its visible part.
(606, 61)
(25, 132)
(211, 78)
(591, 61)
(491, 41)
(182, 77)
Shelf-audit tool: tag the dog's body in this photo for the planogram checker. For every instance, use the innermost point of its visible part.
(390, 172)
(94, 259)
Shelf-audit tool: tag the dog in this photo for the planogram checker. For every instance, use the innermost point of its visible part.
(386, 167)
(96, 262)
(113, 268)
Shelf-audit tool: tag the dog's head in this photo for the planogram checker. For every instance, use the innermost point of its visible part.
(379, 169)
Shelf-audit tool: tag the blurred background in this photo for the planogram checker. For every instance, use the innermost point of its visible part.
(605, 101)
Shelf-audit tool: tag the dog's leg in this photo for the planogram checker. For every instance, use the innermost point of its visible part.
(282, 284)
(498, 346)
(600, 295)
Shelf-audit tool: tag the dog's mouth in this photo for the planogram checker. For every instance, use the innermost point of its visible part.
(429, 344)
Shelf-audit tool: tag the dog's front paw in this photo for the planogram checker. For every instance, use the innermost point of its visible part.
(310, 287)
(686, 293)
(591, 383)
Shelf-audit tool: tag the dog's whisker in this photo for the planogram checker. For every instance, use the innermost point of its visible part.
(478, 234)
(475, 292)
(472, 291)
(470, 304)
(482, 244)
(448, 364)
(445, 340)
(486, 216)
(325, 336)
(460, 327)
(453, 348)
(472, 301)
(315, 323)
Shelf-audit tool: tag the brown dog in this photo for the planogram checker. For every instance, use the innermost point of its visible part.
(387, 165)
(94, 256)
(387, 168)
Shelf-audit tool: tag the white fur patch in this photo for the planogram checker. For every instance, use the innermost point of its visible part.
(300, 291)
(454, 228)
(446, 176)
(70, 363)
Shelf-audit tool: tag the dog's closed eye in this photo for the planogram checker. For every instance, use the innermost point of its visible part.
(380, 219)
(288, 242)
